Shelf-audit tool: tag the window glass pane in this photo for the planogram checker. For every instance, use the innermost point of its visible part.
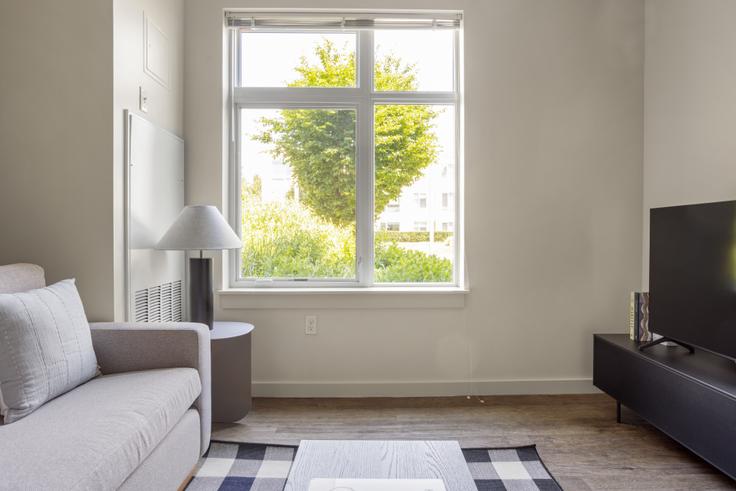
(415, 168)
(297, 59)
(298, 193)
(414, 60)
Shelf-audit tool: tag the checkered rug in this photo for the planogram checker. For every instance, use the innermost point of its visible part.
(257, 467)
(512, 469)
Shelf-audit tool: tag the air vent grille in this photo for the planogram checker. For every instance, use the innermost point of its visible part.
(160, 303)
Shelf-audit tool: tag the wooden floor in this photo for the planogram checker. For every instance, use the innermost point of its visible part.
(577, 436)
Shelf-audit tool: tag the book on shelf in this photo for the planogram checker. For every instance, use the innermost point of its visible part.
(639, 317)
(632, 316)
(644, 334)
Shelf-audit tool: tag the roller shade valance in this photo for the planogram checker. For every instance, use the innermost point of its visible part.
(350, 21)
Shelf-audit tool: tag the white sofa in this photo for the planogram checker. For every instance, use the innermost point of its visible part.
(141, 425)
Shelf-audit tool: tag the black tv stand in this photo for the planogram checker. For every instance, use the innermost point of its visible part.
(690, 397)
(644, 346)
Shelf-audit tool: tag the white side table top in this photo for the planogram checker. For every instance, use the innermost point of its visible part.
(227, 329)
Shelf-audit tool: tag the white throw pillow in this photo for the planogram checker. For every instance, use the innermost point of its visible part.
(45, 347)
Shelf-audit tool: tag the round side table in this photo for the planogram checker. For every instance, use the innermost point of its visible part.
(231, 367)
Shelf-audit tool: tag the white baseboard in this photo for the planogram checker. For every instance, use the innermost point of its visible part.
(424, 388)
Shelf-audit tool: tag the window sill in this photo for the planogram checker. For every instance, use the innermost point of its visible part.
(343, 298)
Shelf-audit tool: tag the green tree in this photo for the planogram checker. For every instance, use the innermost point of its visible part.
(319, 145)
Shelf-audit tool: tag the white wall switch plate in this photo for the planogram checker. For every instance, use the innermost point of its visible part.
(310, 324)
(142, 99)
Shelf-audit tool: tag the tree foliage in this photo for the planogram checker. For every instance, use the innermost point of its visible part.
(319, 145)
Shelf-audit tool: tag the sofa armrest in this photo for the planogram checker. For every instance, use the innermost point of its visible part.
(124, 347)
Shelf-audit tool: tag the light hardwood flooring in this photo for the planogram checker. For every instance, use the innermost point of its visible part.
(576, 435)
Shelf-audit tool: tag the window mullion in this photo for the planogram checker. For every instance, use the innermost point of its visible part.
(415, 98)
(459, 269)
(364, 174)
(234, 202)
(265, 96)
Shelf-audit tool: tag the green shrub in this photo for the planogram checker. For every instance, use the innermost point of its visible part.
(286, 240)
(394, 265)
(282, 241)
(396, 236)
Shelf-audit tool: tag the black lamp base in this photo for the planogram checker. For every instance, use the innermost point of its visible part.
(200, 291)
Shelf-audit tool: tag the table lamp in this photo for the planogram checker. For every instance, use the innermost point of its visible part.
(200, 227)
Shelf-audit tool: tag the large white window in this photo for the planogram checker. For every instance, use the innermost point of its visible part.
(344, 128)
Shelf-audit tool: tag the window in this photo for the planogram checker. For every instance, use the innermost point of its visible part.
(420, 199)
(337, 119)
(447, 200)
(258, 50)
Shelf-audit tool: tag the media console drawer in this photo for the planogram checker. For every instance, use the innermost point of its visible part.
(690, 397)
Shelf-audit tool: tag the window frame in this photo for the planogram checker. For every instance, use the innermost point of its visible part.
(421, 200)
(362, 98)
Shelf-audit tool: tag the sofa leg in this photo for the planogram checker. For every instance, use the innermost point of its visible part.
(188, 479)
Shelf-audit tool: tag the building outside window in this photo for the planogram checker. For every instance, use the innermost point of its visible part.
(420, 199)
(447, 200)
(345, 127)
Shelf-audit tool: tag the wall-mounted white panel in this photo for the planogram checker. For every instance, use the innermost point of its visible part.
(155, 190)
(156, 51)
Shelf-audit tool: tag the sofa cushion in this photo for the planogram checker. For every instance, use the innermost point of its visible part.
(45, 348)
(21, 277)
(96, 435)
(15, 278)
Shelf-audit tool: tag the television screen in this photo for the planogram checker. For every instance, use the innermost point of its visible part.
(692, 275)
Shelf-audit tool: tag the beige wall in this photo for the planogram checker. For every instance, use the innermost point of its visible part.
(165, 102)
(56, 141)
(690, 105)
(553, 164)
(553, 198)
(64, 87)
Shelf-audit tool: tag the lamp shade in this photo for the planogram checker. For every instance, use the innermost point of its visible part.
(199, 227)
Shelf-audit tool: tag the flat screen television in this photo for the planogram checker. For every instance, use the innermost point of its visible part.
(692, 275)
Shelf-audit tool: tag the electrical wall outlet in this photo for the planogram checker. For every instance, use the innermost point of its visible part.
(310, 325)
(142, 99)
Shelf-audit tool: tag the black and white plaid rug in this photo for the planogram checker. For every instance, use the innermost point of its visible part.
(257, 467)
(513, 469)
